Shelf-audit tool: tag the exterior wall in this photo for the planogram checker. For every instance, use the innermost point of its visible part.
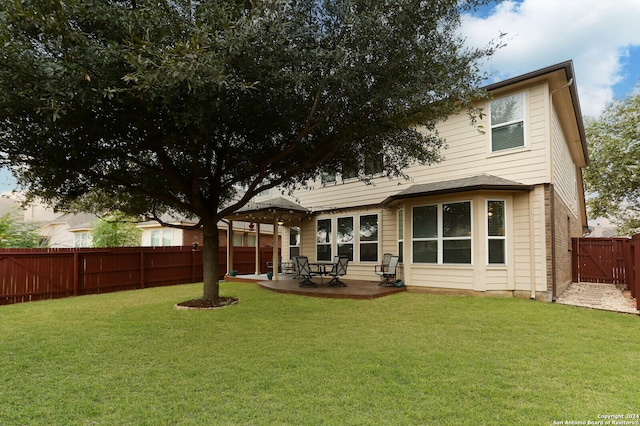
(529, 250)
(539, 223)
(564, 170)
(468, 153)
(567, 226)
(356, 269)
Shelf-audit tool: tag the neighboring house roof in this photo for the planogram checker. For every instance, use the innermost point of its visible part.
(74, 220)
(473, 183)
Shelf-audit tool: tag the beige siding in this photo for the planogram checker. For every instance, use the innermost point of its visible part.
(467, 154)
(564, 169)
(529, 250)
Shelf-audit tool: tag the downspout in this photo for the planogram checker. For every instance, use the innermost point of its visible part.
(552, 193)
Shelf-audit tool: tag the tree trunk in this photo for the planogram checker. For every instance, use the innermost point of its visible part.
(210, 264)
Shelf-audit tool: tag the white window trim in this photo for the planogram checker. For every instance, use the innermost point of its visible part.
(400, 232)
(504, 237)
(333, 245)
(524, 121)
(332, 239)
(377, 241)
(440, 238)
(355, 236)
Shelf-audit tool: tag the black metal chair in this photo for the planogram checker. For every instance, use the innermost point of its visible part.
(304, 271)
(389, 272)
(384, 266)
(338, 270)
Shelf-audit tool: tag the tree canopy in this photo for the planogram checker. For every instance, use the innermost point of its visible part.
(196, 106)
(16, 233)
(115, 230)
(613, 177)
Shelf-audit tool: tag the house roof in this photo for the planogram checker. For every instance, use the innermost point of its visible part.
(482, 182)
(75, 221)
(565, 68)
(269, 210)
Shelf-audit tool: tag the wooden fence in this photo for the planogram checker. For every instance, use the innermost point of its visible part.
(608, 260)
(37, 274)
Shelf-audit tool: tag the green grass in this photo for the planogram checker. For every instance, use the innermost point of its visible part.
(131, 358)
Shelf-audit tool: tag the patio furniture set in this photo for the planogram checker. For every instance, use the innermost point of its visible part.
(302, 268)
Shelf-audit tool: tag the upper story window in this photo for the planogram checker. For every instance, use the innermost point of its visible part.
(507, 123)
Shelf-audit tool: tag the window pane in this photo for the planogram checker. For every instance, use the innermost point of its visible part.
(369, 252)
(369, 228)
(294, 251)
(401, 251)
(294, 236)
(401, 224)
(326, 177)
(507, 109)
(495, 218)
(425, 222)
(324, 231)
(425, 252)
(456, 251)
(456, 220)
(345, 230)
(346, 250)
(496, 251)
(506, 137)
(323, 252)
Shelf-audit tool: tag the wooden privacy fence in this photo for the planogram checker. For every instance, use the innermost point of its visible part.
(37, 274)
(599, 260)
(608, 260)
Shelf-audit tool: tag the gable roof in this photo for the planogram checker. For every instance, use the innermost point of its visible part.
(482, 182)
(269, 210)
(566, 70)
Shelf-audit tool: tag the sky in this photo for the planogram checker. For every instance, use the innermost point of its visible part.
(601, 37)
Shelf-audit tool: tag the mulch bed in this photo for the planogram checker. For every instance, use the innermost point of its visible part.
(220, 302)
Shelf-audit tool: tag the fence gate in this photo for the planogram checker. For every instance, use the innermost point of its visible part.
(599, 260)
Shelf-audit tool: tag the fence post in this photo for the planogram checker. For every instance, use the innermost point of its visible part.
(142, 277)
(76, 272)
(634, 286)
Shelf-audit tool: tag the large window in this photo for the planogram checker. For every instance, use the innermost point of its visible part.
(356, 237)
(369, 238)
(323, 240)
(161, 237)
(346, 237)
(442, 233)
(496, 234)
(507, 123)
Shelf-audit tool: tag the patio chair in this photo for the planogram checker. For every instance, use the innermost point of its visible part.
(338, 270)
(389, 272)
(384, 265)
(304, 271)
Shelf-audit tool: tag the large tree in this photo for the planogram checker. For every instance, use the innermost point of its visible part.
(613, 176)
(195, 106)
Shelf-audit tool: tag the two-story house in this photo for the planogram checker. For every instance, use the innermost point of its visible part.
(495, 217)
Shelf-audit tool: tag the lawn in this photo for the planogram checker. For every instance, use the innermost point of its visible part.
(130, 358)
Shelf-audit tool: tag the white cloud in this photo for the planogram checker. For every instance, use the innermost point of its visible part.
(595, 34)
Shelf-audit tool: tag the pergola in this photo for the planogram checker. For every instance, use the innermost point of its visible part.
(277, 212)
